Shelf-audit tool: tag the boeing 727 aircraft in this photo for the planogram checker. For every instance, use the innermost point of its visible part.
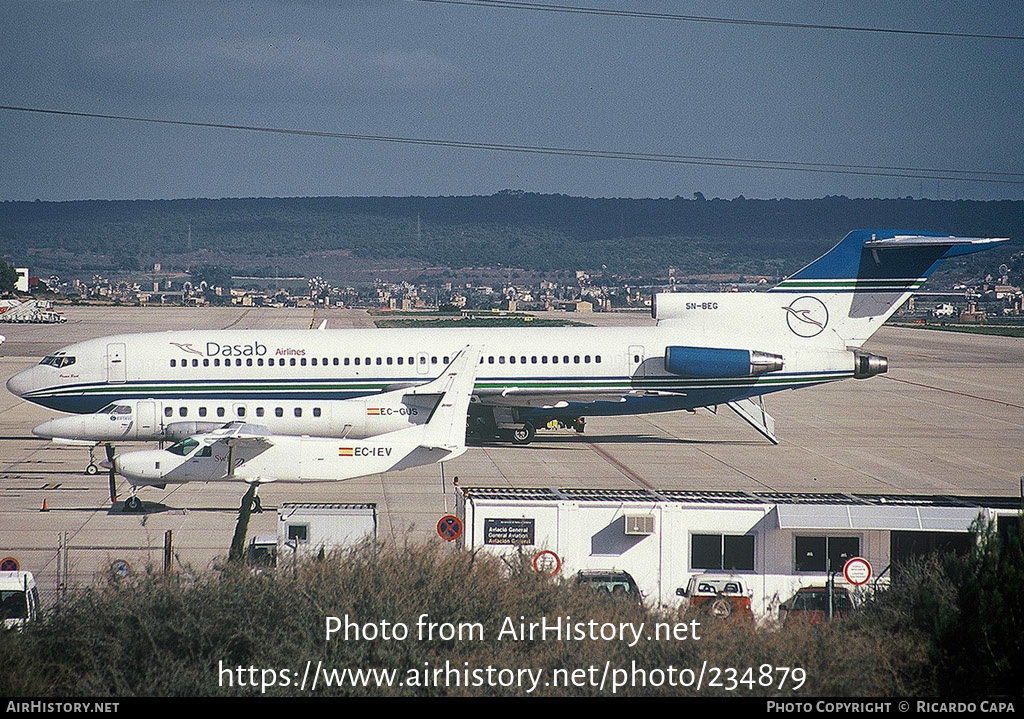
(708, 349)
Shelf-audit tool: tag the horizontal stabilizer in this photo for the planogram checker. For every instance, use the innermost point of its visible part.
(929, 241)
(754, 414)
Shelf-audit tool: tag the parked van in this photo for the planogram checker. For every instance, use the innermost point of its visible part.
(19, 599)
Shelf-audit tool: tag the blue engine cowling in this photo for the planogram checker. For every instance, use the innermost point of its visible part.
(708, 362)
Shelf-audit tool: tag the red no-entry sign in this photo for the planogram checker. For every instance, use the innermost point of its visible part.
(449, 528)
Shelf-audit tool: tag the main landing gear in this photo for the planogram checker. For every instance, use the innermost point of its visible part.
(505, 424)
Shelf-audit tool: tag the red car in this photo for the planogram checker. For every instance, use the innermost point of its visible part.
(810, 605)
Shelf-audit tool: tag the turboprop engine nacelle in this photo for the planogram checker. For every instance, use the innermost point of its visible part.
(708, 362)
(180, 430)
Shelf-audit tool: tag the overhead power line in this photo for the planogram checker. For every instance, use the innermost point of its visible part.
(921, 173)
(643, 15)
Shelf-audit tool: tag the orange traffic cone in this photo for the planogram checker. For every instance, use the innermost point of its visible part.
(45, 508)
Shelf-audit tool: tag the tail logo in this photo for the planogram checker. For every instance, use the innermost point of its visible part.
(806, 316)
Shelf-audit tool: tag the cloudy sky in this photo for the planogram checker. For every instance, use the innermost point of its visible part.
(413, 69)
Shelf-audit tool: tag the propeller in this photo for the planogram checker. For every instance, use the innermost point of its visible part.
(111, 477)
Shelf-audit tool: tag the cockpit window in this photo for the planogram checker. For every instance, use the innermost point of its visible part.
(183, 447)
(114, 408)
(57, 361)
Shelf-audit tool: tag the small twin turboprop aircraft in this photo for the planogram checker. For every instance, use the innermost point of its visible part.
(250, 453)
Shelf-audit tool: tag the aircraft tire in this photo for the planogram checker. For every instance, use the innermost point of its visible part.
(523, 434)
(133, 504)
(92, 469)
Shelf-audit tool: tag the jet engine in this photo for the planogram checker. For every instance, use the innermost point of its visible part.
(708, 362)
(866, 365)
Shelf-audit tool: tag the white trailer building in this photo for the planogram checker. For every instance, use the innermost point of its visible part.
(775, 542)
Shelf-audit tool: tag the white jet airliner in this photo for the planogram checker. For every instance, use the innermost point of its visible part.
(250, 453)
(708, 349)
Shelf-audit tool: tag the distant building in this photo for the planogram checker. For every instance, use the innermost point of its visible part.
(22, 284)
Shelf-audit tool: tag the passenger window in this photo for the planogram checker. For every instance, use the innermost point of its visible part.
(278, 412)
(183, 411)
(202, 411)
(313, 361)
(174, 363)
(433, 360)
(357, 361)
(259, 362)
(238, 362)
(206, 363)
(302, 361)
(554, 359)
(391, 360)
(316, 411)
(206, 451)
(216, 362)
(248, 362)
(576, 359)
(220, 411)
(240, 411)
(298, 411)
(292, 361)
(501, 360)
(378, 361)
(168, 411)
(259, 411)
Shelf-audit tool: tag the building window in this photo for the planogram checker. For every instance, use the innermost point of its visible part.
(722, 552)
(298, 533)
(815, 554)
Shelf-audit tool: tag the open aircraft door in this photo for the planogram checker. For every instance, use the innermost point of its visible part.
(116, 372)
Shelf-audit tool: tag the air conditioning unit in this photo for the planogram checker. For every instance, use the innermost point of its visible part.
(639, 524)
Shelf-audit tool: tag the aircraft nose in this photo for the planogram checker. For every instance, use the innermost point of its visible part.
(24, 382)
(45, 430)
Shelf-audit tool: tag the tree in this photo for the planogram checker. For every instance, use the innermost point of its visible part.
(8, 277)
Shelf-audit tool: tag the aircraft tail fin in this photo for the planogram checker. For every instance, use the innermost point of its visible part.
(858, 284)
(446, 426)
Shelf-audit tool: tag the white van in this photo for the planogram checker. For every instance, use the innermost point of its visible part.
(19, 599)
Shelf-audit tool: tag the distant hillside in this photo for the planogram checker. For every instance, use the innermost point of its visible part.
(508, 229)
